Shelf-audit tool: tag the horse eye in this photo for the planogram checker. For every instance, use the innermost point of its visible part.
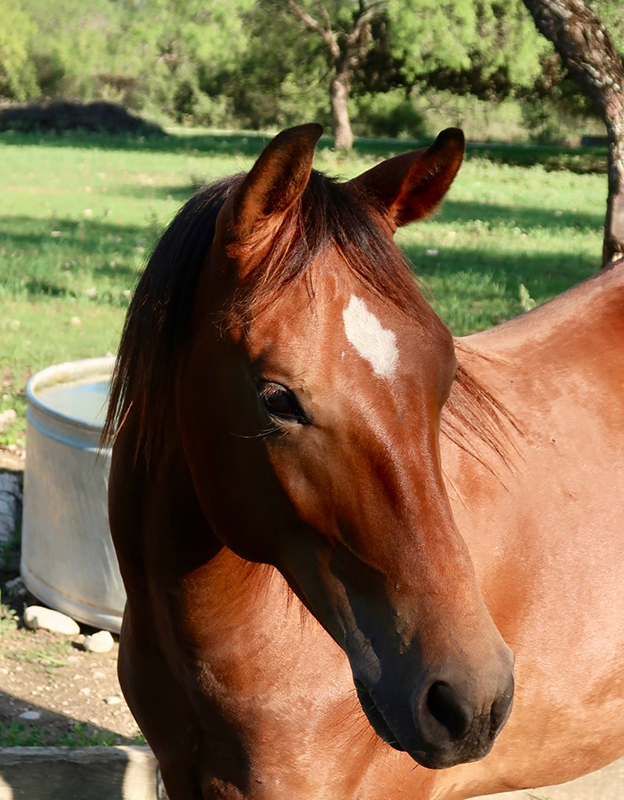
(281, 402)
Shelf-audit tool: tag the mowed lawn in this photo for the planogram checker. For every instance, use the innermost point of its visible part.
(79, 215)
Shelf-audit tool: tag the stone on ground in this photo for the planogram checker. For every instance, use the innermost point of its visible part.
(36, 617)
(30, 715)
(100, 642)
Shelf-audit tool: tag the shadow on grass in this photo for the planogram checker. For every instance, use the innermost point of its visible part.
(35, 262)
(180, 193)
(51, 729)
(52, 774)
(20, 231)
(544, 274)
(523, 218)
(91, 246)
(451, 210)
(217, 144)
(249, 144)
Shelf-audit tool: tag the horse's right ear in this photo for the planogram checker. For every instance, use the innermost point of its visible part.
(408, 187)
(275, 182)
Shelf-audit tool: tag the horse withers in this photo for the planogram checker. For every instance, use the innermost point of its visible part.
(305, 617)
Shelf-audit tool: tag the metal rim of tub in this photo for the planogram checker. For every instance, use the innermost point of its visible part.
(67, 372)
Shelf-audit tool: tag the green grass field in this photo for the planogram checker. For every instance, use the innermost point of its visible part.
(78, 216)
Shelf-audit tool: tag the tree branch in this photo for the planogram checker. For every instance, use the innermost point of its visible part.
(584, 46)
(363, 17)
(589, 54)
(326, 33)
(325, 14)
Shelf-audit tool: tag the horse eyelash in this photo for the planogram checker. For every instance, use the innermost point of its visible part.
(260, 435)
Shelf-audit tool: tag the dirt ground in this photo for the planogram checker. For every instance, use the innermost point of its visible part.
(12, 458)
(76, 693)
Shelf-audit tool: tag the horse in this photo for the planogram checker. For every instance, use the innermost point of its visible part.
(338, 526)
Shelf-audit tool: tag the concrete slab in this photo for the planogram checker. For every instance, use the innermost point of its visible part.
(131, 773)
(78, 773)
(606, 784)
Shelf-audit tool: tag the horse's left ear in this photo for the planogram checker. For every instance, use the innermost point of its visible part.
(276, 180)
(410, 186)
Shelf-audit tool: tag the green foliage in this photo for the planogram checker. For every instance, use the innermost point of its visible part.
(482, 36)
(611, 14)
(17, 74)
(153, 55)
(284, 74)
(393, 114)
(9, 619)
(251, 64)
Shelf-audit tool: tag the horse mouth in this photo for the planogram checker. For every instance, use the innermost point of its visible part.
(375, 717)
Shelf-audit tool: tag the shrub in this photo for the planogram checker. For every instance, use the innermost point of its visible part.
(68, 116)
(390, 114)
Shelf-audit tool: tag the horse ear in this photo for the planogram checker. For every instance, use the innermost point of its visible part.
(410, 186)
(276, 180)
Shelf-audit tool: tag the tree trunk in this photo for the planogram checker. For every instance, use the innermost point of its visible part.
(591, 58)
(614, 224)
(339, 91)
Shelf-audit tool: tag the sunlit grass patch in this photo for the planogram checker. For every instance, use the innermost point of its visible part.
(17, 734)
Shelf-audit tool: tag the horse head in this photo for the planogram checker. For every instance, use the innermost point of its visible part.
(309, 405)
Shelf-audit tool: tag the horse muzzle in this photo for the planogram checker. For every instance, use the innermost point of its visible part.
(451, 722)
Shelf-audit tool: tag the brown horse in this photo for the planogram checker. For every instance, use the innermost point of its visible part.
(328, 513)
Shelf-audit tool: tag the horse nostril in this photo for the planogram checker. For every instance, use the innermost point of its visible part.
(501, 709)
(447, 708)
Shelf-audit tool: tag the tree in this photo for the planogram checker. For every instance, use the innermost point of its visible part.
(466, 45)
(346, 35)
(17, 76)
(588, 53)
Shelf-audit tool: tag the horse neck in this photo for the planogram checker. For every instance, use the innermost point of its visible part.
(175, 567)
(544, 368)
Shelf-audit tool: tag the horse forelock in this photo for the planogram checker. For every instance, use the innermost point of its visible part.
(329, 217)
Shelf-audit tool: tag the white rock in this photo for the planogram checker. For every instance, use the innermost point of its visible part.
(36, 617)
(100, 642)
(30, 715)
(8, 416)
(112, 701)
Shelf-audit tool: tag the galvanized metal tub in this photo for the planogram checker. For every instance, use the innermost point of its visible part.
(68, 559)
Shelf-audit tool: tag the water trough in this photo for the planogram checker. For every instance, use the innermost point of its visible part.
(68, 560)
